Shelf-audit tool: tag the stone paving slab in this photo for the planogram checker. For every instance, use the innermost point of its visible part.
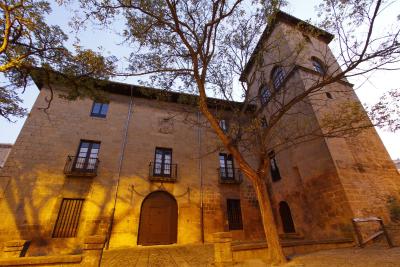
(160, 256)
(202, 256)
(350, 257)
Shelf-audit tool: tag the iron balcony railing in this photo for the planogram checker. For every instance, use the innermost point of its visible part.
(81, 166)
(230, 176)
(163, 172)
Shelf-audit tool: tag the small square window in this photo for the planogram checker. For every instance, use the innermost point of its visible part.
(99, 110)
(264, 122)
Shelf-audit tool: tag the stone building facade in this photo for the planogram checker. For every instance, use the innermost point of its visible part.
(145, 169)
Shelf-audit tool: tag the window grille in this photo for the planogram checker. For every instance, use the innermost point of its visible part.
(278, 76)
(234, 214)
(68, 218)
(265, 94)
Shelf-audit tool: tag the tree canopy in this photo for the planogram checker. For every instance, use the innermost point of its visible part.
(28, 42)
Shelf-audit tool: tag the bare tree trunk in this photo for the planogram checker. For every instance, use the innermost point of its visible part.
(275, 250)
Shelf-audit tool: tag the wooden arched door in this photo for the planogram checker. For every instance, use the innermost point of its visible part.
(158, 219)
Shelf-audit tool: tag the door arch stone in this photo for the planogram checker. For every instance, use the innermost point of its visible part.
(158, 219)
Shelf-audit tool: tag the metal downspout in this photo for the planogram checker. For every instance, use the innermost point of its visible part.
(121, 159)
(201, 177)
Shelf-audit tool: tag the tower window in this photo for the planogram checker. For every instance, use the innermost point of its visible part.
(329, 95)
(264, 122)
(223, 124)
(265, 94)
(234, 214)
(275, 174)
(318, 66)
(162, 162)
(306, 38)
(286, 217)
(278, 76)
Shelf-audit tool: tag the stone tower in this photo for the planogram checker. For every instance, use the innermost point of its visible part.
(325, 179)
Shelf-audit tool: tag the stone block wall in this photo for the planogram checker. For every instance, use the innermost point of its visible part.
(33, 184)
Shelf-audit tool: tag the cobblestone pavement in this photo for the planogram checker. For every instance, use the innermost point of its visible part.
(202, 256)
(165, 256)
(350, 257)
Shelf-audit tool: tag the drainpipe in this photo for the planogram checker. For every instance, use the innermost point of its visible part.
(201, 177)
(121, 159)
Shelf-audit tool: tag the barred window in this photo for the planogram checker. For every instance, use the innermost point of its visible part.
(265, 94)
(234, 214)
(68, 218)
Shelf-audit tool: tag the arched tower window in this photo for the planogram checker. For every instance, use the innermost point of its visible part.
(286, 217)
(278, 76)
(318, 65)
(265, 94)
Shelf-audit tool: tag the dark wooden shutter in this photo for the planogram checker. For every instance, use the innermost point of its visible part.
(68, 218)
(234, 214)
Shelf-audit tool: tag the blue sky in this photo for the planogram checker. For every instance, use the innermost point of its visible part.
(368, 88)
